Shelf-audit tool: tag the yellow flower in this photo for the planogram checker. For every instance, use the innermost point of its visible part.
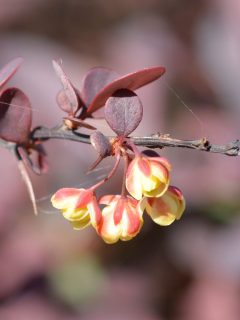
(166, 209)
(147, 176)
(121, 218)
(79, 206)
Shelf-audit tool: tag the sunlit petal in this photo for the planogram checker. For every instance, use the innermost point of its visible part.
(121, 219)
(166, 209)
(65, 198)
(147, 177)
(81, 224)
(109, 231)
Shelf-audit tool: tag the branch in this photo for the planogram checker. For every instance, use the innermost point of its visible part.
(155, 141)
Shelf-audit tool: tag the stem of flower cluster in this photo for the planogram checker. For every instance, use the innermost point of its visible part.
(109, 176)
(135, 150)
(126, 163)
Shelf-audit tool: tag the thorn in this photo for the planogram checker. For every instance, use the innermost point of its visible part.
(28, 184)
(95, 164)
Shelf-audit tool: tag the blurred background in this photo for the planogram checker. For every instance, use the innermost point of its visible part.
(190, 270)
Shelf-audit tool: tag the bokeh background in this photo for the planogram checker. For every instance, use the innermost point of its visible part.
(190, 270)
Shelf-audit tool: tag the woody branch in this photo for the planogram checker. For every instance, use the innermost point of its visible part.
(155, 141)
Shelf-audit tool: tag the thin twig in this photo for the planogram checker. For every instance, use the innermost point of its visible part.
(155, 141)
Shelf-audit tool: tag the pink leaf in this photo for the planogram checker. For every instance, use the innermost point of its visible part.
(131, 81)
(67, 99)
(9, 70)
(15, 116)
(95, 80)
(123, 112)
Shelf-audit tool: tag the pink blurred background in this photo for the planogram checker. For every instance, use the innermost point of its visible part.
(188, 271)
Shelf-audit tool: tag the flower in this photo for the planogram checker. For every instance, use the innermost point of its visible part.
(166, 209)
(121, 218)
(79, 206)
(147, 176)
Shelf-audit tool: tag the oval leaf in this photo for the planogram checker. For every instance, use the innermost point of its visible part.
(95, 80)
(67, 99)
(131, 81)
(64, 103)
(15, 116)
(9, 70)
(123, 112)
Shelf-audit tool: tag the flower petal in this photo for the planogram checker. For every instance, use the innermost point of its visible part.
(73, 214)
(133, 177)
(131, 221)
(95, 212)
(166, 209)
(146, 177)
(121, 219)
(177, 194)
(108, 199)
(81, 224)
(163, 161)
(159, 179)
(109, 231)
(65, 198)
(160, 212)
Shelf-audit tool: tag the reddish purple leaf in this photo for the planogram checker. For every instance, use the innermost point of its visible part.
(67, 99)
(123, 112)
(100, 143)
(96, 79)
(9, 70)
(15, 116)
(131, 81)
(64, 103)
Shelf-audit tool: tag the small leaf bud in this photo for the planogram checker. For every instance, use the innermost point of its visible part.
(100, 143)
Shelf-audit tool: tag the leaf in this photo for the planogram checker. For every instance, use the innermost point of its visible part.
(63, 102)
(123, 112)
(95, 80)
(15, 115)
(68, 99)
(9, 70)
(131, 81)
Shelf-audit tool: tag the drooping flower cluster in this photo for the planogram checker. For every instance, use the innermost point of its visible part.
(146, 179)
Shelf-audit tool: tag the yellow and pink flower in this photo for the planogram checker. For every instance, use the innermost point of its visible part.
(147, 176)
(166, 209)
(121, 218)
(79, 206)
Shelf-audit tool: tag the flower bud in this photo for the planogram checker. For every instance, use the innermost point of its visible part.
(166, 209)
(121, 218)
(147, 177)
(79, 206)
